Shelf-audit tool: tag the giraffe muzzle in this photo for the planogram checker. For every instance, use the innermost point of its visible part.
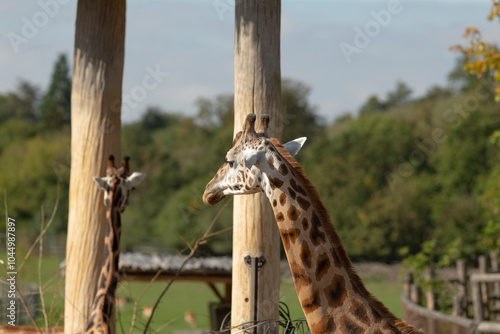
(211, 198)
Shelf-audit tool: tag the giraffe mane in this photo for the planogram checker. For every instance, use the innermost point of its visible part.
(334, 238)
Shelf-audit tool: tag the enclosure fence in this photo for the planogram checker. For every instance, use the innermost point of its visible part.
(472, 298)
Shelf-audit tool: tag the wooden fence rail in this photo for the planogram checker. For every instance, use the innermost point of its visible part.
(475, 305)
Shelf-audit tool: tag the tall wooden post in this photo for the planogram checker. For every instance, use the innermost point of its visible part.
(257, 82)
(95, 133)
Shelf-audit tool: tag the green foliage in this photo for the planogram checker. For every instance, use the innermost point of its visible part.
(399, 96)
(489, 197)
(423, 170)
(299, 117)
(349, 169)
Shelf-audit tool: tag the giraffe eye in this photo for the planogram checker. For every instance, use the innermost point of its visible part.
(230, 163)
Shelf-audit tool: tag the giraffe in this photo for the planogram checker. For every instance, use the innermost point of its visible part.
(117, 186)
(332, 295)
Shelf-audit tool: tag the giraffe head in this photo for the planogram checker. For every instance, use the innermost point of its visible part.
(246, 163)
(118, 184)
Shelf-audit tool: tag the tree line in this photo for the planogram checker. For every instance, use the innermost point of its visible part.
(402, 172)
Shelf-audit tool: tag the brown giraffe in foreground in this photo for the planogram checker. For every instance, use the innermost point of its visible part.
(331, 294)
(117, 186)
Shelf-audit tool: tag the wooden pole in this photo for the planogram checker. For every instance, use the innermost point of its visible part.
(95, 133)
(257, 83)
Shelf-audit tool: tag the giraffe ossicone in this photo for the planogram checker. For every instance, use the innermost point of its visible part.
(332, 296)
(117, 186)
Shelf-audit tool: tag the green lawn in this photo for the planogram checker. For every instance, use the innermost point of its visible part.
(185, 296)
(181, 297)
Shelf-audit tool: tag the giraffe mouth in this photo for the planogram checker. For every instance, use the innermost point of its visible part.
(211, 198)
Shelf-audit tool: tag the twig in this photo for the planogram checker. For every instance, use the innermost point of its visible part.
(165, 324)
(188, 257)
(56, 294)
(134, 311)
(42, 232)
(40, 287)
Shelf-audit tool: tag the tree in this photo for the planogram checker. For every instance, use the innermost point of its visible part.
(95, 134)
(481, 58)
(22, 103)
(299, 117)
(55, 108)
(459, 79)
(400, 95)
(373, 104)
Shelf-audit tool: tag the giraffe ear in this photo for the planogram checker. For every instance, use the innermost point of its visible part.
(252, 157)
(293, 147)
(135, 179)
(102, 182)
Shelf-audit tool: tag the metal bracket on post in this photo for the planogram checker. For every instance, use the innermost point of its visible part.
(255, 264)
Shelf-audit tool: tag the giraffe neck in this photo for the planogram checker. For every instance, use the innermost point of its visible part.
(331, 294)
(103, 311)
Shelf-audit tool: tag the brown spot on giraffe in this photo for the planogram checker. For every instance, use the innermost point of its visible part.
(270, 160)
(350, 327)
(297, 187)
(289, 236)
(325, 325)
(359, 311)
(317, 234)
(300, 277)
(292, 193)
(275, 203)
(282, 199)
(283, 169)
(280, 217)
(303, 203)
(336, 292)
(306, 255)
(322, 266)
(275, 183)
(311, 303)
(305, 224)
(293, 213)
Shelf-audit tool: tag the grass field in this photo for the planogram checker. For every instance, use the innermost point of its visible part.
(185, 296)
(181, 297)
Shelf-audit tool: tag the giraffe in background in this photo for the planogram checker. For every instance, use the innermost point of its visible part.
(332, 295)
(117, 186)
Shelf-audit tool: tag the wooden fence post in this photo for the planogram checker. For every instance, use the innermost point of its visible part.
(496, 287)
(430, 295)
(415, 294)
(407, 284)
(461, 302)
(482, 260)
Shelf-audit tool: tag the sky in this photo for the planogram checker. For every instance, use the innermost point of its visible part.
(345, 51)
